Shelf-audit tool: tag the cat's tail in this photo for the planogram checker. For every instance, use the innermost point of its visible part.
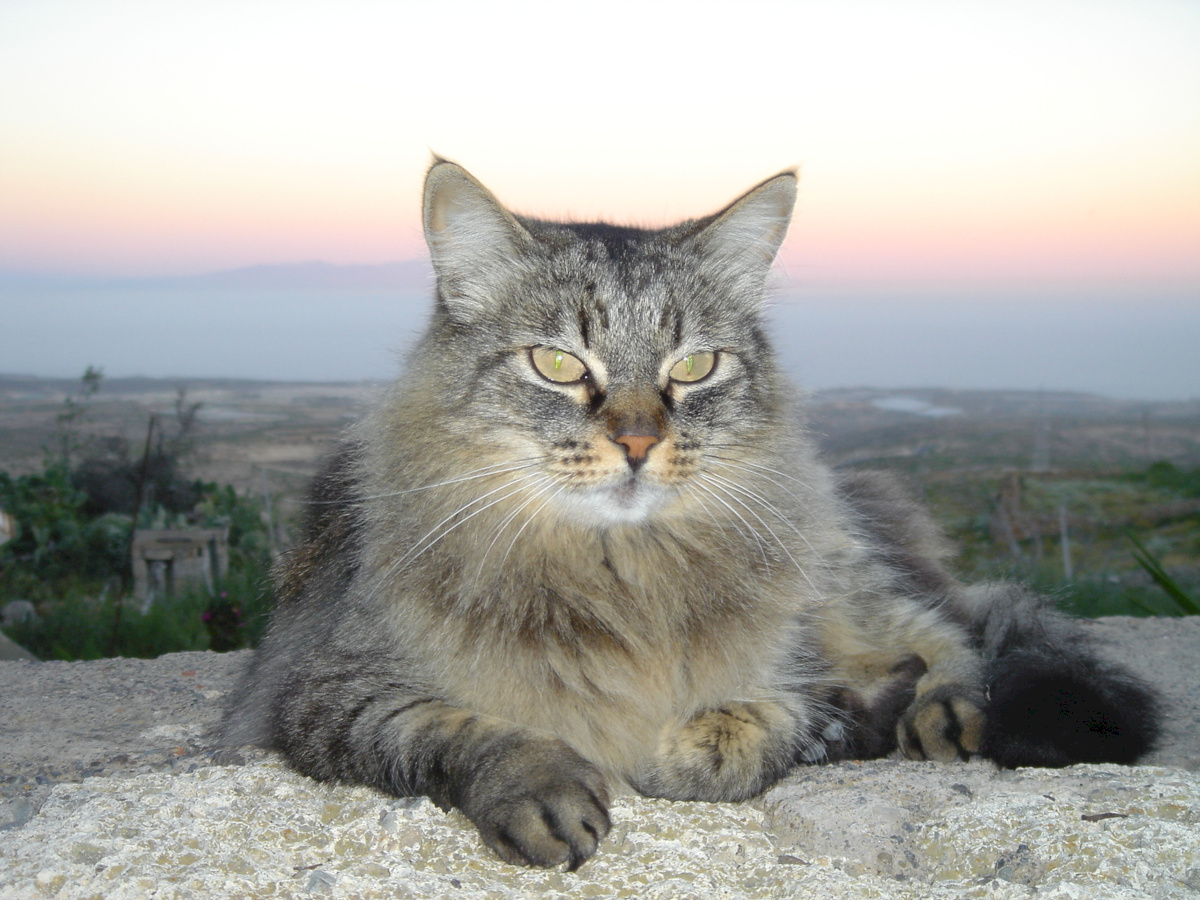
(1052, 699)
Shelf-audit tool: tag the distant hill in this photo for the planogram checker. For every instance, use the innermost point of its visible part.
(408, 276)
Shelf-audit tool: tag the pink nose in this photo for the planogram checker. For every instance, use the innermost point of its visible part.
(636, 445)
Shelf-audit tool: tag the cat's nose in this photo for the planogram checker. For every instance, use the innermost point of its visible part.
(636, 446)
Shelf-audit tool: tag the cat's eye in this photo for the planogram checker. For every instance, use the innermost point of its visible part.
(693, 367)
(557, 365)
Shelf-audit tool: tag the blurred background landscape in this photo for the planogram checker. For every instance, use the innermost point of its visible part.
(211, 258)
(1095, 501)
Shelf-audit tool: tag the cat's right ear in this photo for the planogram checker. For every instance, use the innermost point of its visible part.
(474, 242)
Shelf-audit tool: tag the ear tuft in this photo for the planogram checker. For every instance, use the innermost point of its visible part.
(474, 242)
(744, 238)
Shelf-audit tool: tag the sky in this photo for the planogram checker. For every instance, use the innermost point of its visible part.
(965, 151)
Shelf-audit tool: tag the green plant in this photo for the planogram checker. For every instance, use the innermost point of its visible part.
(1167, 476)
(55, 538)
(75, 410)
(82, 625)
(1094, 597)
(1186, 605)
(70, 556)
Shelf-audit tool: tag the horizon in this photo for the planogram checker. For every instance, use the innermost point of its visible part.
(325, 322)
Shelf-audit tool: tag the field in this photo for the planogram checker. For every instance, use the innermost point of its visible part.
(1008, 474)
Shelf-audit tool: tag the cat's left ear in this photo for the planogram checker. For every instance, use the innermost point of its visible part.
(474, 242)
(742, 239)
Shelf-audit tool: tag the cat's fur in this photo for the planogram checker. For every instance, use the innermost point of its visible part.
(519, 595)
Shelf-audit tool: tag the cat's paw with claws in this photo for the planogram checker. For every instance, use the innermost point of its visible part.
(544, 807)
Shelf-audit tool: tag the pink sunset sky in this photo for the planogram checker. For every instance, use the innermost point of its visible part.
(1041, 144)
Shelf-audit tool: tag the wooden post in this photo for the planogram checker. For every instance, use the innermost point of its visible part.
(127, 575)
(1068, 573)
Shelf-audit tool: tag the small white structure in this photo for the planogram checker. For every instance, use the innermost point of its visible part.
(8, 527)
(164, 560)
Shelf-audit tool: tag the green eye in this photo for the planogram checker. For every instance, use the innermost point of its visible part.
(557, 365)
(693, 367)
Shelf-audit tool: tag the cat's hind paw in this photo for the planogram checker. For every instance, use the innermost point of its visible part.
(943, 725)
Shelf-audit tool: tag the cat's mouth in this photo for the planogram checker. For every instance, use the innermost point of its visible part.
(627, 491)
(627, 501)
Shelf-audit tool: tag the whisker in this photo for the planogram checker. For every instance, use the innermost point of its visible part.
(732, 490)
(424, 544)
(516, 486)
(756, 468)
(533, 516)
(483, 472)
(749, 528)
(498, 469)
(771, 508)
(508, 520)
(763, 501)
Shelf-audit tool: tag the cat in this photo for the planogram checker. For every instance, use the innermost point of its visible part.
(585, 545)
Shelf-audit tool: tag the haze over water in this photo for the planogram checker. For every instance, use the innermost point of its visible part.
(1145, 351)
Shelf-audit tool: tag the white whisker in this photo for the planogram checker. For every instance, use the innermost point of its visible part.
(756, 469)
(508, 520)
(533, 516)
(438, 532)
(766, 504)
(749, 528)
(727, 488)
(483, 472)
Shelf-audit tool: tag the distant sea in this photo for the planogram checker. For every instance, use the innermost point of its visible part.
(353, 329)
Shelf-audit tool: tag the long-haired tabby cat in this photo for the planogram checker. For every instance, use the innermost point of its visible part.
(585, 545)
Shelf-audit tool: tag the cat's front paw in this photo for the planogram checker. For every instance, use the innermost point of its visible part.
(943, 724)
(725, 754)
(541, 807)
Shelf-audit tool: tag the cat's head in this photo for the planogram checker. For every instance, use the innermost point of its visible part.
(624, 363)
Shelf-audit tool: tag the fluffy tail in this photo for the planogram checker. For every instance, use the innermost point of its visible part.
(1052, 701)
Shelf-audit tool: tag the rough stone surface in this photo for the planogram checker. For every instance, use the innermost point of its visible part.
(108, 789)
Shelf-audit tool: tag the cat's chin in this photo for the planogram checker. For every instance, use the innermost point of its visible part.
(629, 502)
